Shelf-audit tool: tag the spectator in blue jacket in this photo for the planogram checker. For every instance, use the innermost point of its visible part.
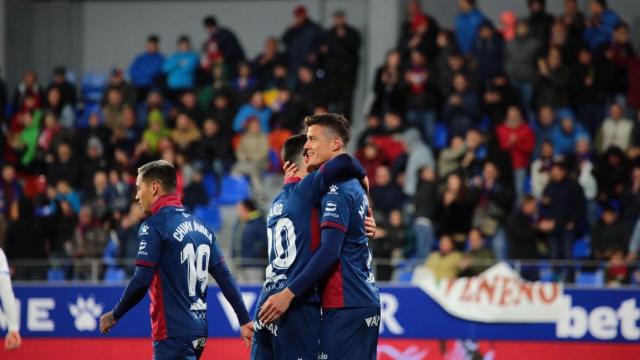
(146, 69)
(249, 247)
(180, 69)
(467, 24)
(565, 135)
(254, 108)
(600, 25)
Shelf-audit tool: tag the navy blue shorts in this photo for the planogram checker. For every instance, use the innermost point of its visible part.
(349, 333)
(294, 336)
(183, 347)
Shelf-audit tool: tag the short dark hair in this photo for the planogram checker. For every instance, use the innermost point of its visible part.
(161, 171)
(293, 148)
(336, 122)
(153, 38)
(249, 204)
(210, 21)
(184, 38)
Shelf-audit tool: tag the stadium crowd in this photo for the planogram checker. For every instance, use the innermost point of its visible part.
(518, 140)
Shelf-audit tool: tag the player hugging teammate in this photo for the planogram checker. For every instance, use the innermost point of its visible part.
(319, 255)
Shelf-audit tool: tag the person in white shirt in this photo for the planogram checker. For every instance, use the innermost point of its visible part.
(12, 340)
(615, 130)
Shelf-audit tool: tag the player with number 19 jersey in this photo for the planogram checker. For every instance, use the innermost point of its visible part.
(183, 251)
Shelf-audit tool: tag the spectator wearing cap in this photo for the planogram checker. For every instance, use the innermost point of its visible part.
(517, 137)
(600, 25)
(93, 161)
(146, 69)
(302, 39)
(341, 51)
(180, 68)
(540, 21)
(468, 22)
(221, 46)
(520, 62)
(616, 130)
(67, 89)
(255, 108)
(564, 203)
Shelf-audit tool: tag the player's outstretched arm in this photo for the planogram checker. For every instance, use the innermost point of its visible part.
(322, 260)
(137, 287)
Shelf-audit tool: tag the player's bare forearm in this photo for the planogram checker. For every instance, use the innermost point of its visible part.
(275, 306)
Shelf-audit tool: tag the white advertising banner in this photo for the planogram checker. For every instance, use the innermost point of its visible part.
(497, 295)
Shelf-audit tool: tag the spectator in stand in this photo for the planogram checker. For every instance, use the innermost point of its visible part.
(386, 195)
(565, 134)
(51, 136)
(590, 82)
(445, 263)
(492, 201)
(189, 105)
(584, 166)
(113, 108)
(65, 167)
(117, 82)
(92, 162)
(218, 83)
(389, 86)
(419, 155)
(28, 87)
(450, 159)
(446, 48)
(254, 109)
(341, 51)
(461, 111)
(478, 257)
(617, 272)
(67, 89)
(425, 203)
(419, 30)
(10, 192)
(223, 111)
(552, 86)
(488, 52)
(252, 154)
(468, 22)
(221, 46)
(475, 155)
(371, 158)
(608, 234)
(155, 132)
(564, 203)
(516, 137)
(520, 63)
(545, 127)
(88, 243)
(214, 148)
(186, 132)
(25, 141)
(525, 230)
(266, 61)
(63, 111)
(195, 193)
(499, 94)
(573, 19)
(288, 112)
(25, 239)
(612, 173)
(389, 245)
(567, 45)
(423, 98)
(98, 198)
(249, 245)
(454, 210)
(146, 69)
(180, 69)
(616, 130)
(541, 168)
(309, 91)
(96, 128)
(540, 21)
(599, 26)
(301, 39)
(627, 66)
(245, 83)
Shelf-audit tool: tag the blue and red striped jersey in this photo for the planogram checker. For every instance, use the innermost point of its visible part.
(350, 283)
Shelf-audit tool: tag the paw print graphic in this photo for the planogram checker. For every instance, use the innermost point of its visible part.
(86, 313)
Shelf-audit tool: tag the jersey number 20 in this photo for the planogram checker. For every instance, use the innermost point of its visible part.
(197, 266)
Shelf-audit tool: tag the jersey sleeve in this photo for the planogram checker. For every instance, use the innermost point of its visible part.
(340, 168)
(149, 245)
(336, 209)
(7, 298)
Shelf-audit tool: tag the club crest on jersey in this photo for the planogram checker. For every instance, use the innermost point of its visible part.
(333, 190)
(144, 230)
(331, 206)
(276, 210)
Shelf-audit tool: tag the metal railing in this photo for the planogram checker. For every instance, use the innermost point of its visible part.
(97, 271)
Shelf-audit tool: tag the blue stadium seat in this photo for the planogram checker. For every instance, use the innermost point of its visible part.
(55, 274)
(210, 185)
(110, 253)
(210, 215)
(546, 271)
(234, 189)
(582, 248)
(590, 278)
(275, 163)
(82, 121)
(441, 136)
(93, 85)
(114, 274)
